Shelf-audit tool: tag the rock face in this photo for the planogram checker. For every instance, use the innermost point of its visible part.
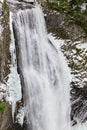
(77, 60)
(4, 42)
(28, 1)
(6, 119)
(5, 60)
(59, 24)
(16, 5)
(75, 50)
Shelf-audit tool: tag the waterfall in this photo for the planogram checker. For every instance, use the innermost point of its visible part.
(45, 74)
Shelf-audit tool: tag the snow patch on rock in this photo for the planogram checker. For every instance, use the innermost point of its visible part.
(20, 116)
(13, 83)
(3, 91)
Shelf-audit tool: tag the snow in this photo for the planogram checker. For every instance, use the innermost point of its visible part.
(80, 126)
(83, 6)
(2, 91)
(14, 88)
(60, 42)
(2, 1)
(20, 116)
(13, 83)
(82, 46)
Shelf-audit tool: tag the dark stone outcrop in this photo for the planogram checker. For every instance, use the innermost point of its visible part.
(21, 5)
(59, 24)
(77, 61)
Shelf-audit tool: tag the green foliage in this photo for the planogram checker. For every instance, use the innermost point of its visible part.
(53, 6)
(76, 2)
(5, 11)
(73, 11)
(59, 6)
(78, 17)
(2, 107)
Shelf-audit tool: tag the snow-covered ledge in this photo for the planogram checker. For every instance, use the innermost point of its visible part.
(14, 93)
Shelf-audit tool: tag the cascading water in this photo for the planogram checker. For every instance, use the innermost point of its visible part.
(45, 73)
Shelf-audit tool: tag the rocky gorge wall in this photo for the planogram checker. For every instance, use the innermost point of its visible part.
(5, 60)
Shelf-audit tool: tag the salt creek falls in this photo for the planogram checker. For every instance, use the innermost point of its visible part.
(43, 70)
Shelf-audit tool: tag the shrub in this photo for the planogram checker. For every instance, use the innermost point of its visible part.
(2, 107)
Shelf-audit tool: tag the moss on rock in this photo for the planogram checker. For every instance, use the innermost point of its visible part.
(4, 43)
(2, 106)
